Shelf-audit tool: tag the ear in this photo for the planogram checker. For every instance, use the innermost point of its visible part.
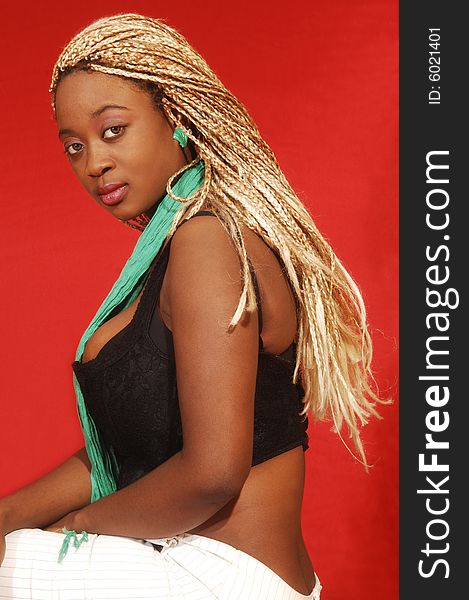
(184, 120)
(181, 118)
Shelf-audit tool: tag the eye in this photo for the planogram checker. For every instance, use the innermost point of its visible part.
(70, 147)
(119, 127)
(112, 129)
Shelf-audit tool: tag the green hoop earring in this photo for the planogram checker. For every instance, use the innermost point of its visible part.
(180, 136)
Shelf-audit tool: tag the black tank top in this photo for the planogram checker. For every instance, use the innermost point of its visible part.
(130, 390)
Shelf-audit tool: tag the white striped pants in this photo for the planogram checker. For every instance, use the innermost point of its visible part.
(105, 567)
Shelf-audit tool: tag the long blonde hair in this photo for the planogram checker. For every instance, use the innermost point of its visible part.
(245, 185)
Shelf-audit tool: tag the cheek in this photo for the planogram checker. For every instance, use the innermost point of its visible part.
(147, 152)
(78, 172)
(161, 159)
(151, 158)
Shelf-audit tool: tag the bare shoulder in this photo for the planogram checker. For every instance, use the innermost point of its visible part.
(208, 234)
(200, 231)
(205, 263)
(202, 244)
(202, 248)
(203, 270)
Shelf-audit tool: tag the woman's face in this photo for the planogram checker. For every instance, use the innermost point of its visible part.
(129, 144)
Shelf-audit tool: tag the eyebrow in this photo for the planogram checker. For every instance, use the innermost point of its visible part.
(96, 114)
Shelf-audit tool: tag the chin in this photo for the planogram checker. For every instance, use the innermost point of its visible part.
(123, 212)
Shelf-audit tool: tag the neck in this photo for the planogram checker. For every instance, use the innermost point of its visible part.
(151, 211)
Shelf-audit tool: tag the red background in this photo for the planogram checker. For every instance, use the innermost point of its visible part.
(321, 81)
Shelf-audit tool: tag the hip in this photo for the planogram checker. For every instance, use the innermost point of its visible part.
(185, 567)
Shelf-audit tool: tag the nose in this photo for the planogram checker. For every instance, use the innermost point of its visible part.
(98, 162)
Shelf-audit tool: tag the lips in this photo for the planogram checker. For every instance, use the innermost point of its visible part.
(112, 193)
(109, 187)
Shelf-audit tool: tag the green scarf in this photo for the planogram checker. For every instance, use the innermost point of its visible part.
(127, 288)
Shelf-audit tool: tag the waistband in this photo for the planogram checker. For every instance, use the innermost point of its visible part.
(161, 543)
(229, 551)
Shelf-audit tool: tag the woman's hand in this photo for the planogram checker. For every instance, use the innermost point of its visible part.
(69, 521)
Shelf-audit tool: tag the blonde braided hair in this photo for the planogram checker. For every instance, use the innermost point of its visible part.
(245, 185)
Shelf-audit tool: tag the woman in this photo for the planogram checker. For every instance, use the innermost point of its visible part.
(195, 376)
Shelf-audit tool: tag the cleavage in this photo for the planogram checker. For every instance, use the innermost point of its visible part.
(108, 330)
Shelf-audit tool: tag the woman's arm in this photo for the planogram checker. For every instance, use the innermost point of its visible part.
(216, 376)
(66, 488)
